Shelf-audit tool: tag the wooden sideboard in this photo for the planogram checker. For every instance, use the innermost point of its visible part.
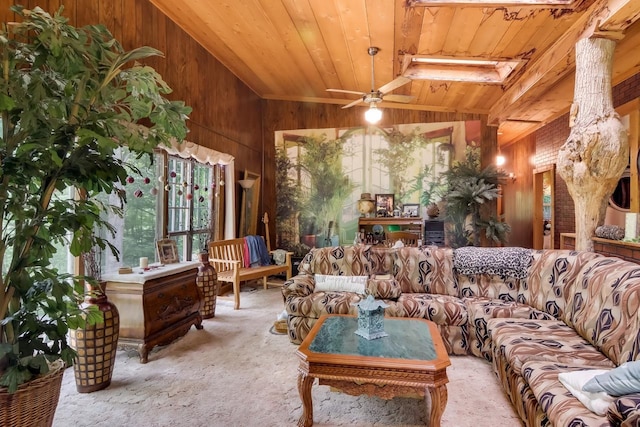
(413, 224)
(157, 306)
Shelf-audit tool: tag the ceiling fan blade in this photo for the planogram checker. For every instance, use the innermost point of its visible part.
(357, 101)
(394, 84)
(347, 91)
(398, 98)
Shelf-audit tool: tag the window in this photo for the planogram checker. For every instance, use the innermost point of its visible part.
(140, 224)
(167, 196)
(189, 205)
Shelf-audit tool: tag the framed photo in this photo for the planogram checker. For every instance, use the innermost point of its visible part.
(410, 209)
(384, 205)
(167, 251)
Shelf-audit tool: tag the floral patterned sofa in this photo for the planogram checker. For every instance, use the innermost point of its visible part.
(533, 314)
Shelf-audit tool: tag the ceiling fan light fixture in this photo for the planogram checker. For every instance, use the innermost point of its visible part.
(373, 114)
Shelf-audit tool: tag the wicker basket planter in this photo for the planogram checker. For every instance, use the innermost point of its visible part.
(35, 402)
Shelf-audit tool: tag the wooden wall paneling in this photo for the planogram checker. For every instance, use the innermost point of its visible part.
(518, 195)
(111, 12)
(88, 12)
(5, 14)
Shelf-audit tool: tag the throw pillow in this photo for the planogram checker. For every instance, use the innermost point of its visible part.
(625, 379)
(575, 381)
(384, 288)
(328, 283)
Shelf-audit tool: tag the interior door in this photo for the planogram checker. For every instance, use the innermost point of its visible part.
(543, 216)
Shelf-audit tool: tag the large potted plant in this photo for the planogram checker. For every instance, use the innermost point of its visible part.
(469, 188)
(70, 98)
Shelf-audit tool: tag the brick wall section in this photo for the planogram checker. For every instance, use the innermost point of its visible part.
(550, 138)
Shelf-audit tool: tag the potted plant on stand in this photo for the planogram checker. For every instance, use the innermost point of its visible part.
(67, 104)
(468, 189)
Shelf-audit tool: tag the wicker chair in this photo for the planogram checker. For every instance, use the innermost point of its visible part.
(407, 237)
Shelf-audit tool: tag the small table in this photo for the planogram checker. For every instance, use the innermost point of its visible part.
(410, 361)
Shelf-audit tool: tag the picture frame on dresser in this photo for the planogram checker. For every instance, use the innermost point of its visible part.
(410, 210)
(167, 251)
(384, 205)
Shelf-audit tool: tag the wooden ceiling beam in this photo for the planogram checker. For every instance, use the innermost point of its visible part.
(559, 60)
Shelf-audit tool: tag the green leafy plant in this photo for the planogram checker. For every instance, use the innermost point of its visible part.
(69, 99)
(469, 188)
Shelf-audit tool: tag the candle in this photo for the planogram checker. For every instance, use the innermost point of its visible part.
(144, 262)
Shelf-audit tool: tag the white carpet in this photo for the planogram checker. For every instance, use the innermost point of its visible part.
(238, 372)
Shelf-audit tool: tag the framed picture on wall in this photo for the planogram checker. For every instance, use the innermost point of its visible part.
(167, 251)
(384, 205)
(410, 209)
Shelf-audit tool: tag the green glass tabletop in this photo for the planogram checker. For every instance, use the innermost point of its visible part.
(407, 339)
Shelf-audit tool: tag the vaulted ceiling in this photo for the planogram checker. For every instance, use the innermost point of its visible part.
(297, 49)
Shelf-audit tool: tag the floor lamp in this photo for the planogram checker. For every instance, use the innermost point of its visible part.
(246, 184)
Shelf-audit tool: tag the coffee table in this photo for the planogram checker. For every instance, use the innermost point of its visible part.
(411, 361)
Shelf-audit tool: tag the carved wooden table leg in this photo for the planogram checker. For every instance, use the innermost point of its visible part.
(304, 389)
(438, 403)
(143, 353)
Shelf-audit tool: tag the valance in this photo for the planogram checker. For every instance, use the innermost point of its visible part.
(188, 149)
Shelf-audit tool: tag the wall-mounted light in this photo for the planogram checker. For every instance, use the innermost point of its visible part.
(511, 176)
(500, 160)
(373, 114)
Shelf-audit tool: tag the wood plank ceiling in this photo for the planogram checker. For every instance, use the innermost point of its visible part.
(296, 49)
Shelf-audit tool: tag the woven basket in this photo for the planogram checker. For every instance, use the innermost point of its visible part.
(35, 402)
(281, 326)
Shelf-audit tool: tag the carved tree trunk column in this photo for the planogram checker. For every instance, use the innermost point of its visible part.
(596, 153)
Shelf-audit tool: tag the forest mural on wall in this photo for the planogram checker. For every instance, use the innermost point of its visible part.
(321, 173)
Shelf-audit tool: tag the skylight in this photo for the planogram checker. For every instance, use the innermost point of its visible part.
(497, 3)
(421, 67)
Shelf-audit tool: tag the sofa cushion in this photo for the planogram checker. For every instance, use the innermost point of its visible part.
(386, 288)
(338, 261)
(560, 406)
(424, 271)
(627, 409)
(488, 286)
(481, 309)
(551, 278)
(604, 307)
(316, 304)
(439, 271)
(521, 340)
(440, 309)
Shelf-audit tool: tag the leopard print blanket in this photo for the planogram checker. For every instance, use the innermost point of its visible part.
(504, 262)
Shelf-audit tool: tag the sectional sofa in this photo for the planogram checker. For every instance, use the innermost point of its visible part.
(533, 314)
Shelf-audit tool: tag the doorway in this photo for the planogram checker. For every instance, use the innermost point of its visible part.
(543, 216)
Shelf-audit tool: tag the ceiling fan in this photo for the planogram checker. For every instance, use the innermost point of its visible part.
(382, 92)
